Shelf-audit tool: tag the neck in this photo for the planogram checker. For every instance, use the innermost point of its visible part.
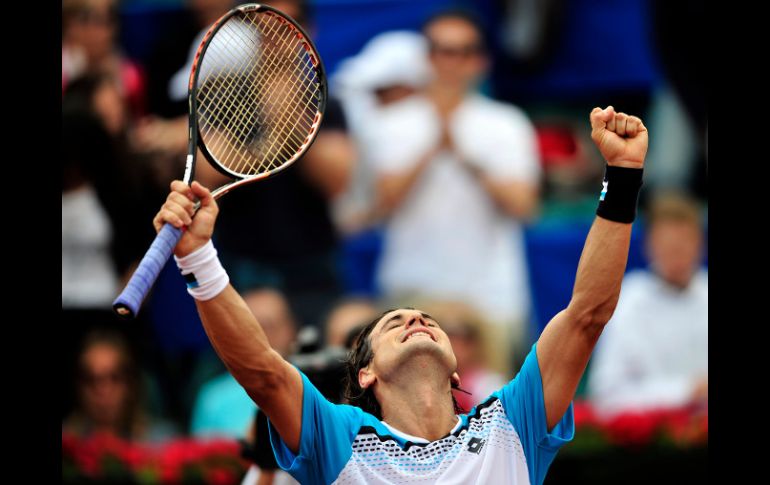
(417, 402)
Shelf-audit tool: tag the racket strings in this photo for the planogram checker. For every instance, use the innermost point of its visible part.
(258, 94)
(285, 149)
(228, 117)
(282, 130)
(243, 113)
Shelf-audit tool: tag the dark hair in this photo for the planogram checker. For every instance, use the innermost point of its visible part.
(359, 357)
(88, 150)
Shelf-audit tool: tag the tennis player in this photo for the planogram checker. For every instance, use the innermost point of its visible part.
(405, 427)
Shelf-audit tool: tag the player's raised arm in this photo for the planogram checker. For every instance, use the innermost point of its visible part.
(234, 332)
(566, 344)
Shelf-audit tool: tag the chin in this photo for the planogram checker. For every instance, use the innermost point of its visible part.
(426, 348)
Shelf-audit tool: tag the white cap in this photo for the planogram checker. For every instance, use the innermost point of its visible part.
(388, 59)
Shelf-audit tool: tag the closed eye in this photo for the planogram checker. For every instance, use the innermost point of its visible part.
(398, 320)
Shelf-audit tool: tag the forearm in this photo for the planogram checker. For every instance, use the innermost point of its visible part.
(600, 272)
(622, 141)
(238, 339)
(565, 345)
(569, 338)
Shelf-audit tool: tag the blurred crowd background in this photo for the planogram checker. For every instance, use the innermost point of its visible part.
(454, 172)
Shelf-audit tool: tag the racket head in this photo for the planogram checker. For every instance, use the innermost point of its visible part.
(257, 93)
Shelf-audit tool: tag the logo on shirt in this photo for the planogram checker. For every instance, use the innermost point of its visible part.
(475, 445)
(605, 184)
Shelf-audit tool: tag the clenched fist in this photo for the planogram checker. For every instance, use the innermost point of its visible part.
(179, 210)
(622, 139)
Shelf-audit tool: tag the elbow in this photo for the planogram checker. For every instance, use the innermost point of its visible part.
(259, 378)
(592, 317)
(261, 387)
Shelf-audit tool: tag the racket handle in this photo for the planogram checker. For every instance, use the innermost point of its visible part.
(128, 302)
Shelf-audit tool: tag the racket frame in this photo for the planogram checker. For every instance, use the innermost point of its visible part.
(129, 302)
(195, 141)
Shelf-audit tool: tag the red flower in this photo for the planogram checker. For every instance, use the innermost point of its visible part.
(133, 456)
(88, 459)
(69, 444)
(687, 428)
(219, 476)
(584, 414)
(218, 462)
(170, 473)
(632, 428)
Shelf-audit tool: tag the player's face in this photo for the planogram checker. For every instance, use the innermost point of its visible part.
(404, 334)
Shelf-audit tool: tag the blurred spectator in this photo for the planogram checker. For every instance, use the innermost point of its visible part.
(654, 352)
(470, 339)
(89, 275)
(457, 174)
(111, 392)
(390, 67)
(104, 223)
(222, 407)
(347, 317)
(164, 131)
(89, 31)
(170, 53)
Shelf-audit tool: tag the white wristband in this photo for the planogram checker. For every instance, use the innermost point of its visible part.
(203, 273)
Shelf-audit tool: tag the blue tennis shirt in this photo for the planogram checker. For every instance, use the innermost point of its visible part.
(502, 440)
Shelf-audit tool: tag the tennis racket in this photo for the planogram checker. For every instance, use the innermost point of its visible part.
(256, 98)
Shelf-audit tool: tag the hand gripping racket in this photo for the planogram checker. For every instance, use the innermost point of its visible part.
(257, 95)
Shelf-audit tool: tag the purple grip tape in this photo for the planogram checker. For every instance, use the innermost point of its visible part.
(128, 302)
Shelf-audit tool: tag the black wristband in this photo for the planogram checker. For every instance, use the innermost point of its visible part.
(620, 193)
